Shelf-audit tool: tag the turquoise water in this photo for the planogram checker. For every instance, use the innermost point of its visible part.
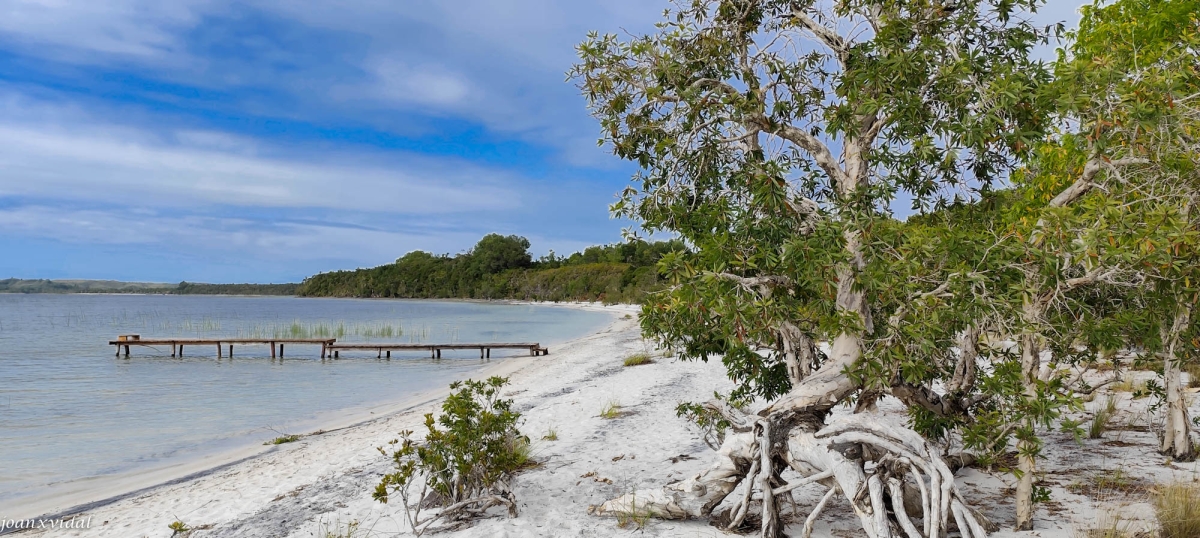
(70, 410)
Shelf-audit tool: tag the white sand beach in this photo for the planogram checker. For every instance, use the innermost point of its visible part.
(321, 485)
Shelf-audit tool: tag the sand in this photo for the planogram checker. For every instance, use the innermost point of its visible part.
(321, 485)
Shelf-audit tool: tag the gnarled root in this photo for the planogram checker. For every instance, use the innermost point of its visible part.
(876, 466)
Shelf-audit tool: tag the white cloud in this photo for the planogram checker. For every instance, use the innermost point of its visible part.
(404, 83)
(69, 156)
(230, 237)
(72, 28)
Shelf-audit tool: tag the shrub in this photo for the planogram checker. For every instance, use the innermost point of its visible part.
(1177, 507)
(463, 465)
(289, 438)
(638, 359)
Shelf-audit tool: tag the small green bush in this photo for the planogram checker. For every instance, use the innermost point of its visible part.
(638, 359)
(468, 455)
(288, 438)
(178, 527)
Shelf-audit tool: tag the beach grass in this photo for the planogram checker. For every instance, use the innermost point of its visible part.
(638, 359)
(611, 410)
(1177, 506)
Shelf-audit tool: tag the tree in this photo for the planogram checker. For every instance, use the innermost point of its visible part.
(773, 137)
(496, 253)
(1133, 86)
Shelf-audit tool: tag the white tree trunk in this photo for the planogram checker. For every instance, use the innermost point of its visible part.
(1026, 465)
(1176, 441)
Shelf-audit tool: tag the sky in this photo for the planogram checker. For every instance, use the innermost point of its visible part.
(268, 140)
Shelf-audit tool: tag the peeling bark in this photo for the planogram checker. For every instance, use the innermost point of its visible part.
(1176, 440)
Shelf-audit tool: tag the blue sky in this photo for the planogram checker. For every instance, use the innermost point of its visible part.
(264, 141)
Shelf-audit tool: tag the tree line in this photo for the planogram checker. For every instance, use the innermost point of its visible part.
(501, 267)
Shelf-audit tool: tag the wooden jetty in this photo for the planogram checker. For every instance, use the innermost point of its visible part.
(329, 346)
(126, 340)
(435, 350)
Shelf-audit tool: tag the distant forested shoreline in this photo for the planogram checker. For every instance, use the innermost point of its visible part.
(18, 285)
(498, 267)
(501, 267)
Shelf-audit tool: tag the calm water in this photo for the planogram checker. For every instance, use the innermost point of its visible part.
(69, 409)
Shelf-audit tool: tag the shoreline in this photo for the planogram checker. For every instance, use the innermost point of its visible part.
(87, 494)
(321, 485)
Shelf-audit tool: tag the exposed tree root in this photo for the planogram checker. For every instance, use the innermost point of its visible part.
(876, 466)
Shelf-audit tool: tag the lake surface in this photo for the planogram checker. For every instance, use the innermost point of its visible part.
(70, 410)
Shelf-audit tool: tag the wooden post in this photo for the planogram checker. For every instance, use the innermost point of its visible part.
(489, 352)
(389, 354)
(231, 351)
(126, 350)
(439, 353)
(380, 354)
(272, 350)
(434, 352)
(119, 351)
(280, 351)
(181, 350)
(480, 353)
(336, 353)
(218, 350)
(173, 346)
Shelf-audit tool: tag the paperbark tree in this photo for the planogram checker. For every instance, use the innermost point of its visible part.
(774, 137)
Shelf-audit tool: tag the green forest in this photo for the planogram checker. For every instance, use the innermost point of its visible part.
(501, 267)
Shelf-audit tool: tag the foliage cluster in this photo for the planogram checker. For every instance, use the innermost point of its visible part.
(465, 461)
(500, 267)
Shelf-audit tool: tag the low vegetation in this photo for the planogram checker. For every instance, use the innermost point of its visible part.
(1099, 423)
(178, 527)
(611, 410)
(1177, 507)
(463, 465)
(287, 438)
(551, 435)
(638, 359)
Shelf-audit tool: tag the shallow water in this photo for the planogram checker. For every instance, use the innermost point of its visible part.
(70, 410)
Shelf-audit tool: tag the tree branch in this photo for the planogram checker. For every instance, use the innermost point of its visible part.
(1084, 184)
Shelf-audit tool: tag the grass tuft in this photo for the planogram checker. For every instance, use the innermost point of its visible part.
(1177, 506)
(551, 435)
(1099, 423)
(611, 410)
(638, 359)
(638, 517)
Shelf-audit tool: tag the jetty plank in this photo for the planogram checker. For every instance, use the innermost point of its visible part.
(329, 346)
